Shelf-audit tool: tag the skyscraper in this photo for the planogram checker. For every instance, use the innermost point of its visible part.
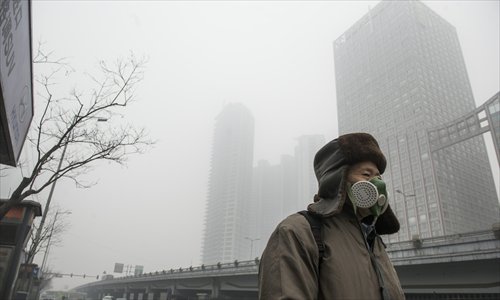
(307, 185)
(267, 201)
(288, 182)
(399, 71)
(230, 181)
(275, 193)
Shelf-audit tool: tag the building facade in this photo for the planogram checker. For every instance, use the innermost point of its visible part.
(288, 182)
(400, 71)
(307, 184)
(267, 202)
(230, 184)
(283, 189)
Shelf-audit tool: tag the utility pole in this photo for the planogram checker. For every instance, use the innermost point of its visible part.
(251, 245)
(49, 199)
(47, 248)
(405, 195)
(53, 186)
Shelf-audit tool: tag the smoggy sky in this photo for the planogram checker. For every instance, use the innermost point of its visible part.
(274, 57)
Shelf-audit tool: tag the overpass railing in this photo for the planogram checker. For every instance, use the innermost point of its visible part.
(219, 269)
(457, 247)
(483, 244)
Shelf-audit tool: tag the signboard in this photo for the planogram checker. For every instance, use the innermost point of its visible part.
(138, 270)
(118, 268)
(16, 74)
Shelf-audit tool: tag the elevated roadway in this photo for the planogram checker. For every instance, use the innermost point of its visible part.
(462, 266)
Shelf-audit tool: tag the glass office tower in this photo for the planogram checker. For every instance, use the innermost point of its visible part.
(399, 71)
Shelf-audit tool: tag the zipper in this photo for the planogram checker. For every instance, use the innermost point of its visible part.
(374, 262)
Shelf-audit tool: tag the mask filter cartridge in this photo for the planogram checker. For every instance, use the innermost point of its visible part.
(365, 194)
(369, 194)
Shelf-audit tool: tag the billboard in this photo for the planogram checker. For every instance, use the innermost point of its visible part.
(16, 74)
(138, 270)
(118, 268)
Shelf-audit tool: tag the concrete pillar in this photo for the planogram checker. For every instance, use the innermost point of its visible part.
(174, 289)
(163, 296)
(215, 289)
(125, 293)
(150, 295)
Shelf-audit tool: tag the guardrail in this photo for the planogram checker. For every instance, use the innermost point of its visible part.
(459, 238)
(231, 268)
(457, 247)
(401, 253)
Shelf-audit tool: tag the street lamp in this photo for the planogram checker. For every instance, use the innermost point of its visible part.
(53, 186)
(46, 254)
(50, 237)
(251, 244)
(404, 194)
(417, 242)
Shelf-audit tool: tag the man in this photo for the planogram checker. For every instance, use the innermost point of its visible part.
(351, 209)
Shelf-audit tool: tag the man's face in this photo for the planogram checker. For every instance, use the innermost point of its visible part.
(362, 171)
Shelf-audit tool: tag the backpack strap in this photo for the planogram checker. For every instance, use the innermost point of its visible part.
(316, 226)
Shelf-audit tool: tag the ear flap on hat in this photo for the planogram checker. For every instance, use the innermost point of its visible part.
(387, 223)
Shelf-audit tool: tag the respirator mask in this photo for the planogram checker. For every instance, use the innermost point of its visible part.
(371, 195)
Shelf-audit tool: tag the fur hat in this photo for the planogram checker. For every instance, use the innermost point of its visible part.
(358, 147)
(348, 149)
(331, 165)
(355, 147)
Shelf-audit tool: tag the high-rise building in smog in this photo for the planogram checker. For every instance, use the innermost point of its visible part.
(399, 71)
(267, 204)
(288, 183)
(282, 189)
(230, 184)
(307, 185)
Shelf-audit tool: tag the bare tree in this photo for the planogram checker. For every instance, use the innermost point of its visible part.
(45, 281)
(50, 235)
(65, 134)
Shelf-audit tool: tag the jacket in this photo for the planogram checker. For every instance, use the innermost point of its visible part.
(290, 269)
(352, 268)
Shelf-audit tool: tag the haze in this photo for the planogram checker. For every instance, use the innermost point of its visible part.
(274, 57)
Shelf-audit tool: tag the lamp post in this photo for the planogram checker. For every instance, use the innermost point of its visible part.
(46, 254)
(251, 244)
(417, 242)
(405, 195)
(47, 248)
(53, 186)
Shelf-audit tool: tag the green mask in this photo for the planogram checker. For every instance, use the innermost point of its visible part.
(370, 194)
